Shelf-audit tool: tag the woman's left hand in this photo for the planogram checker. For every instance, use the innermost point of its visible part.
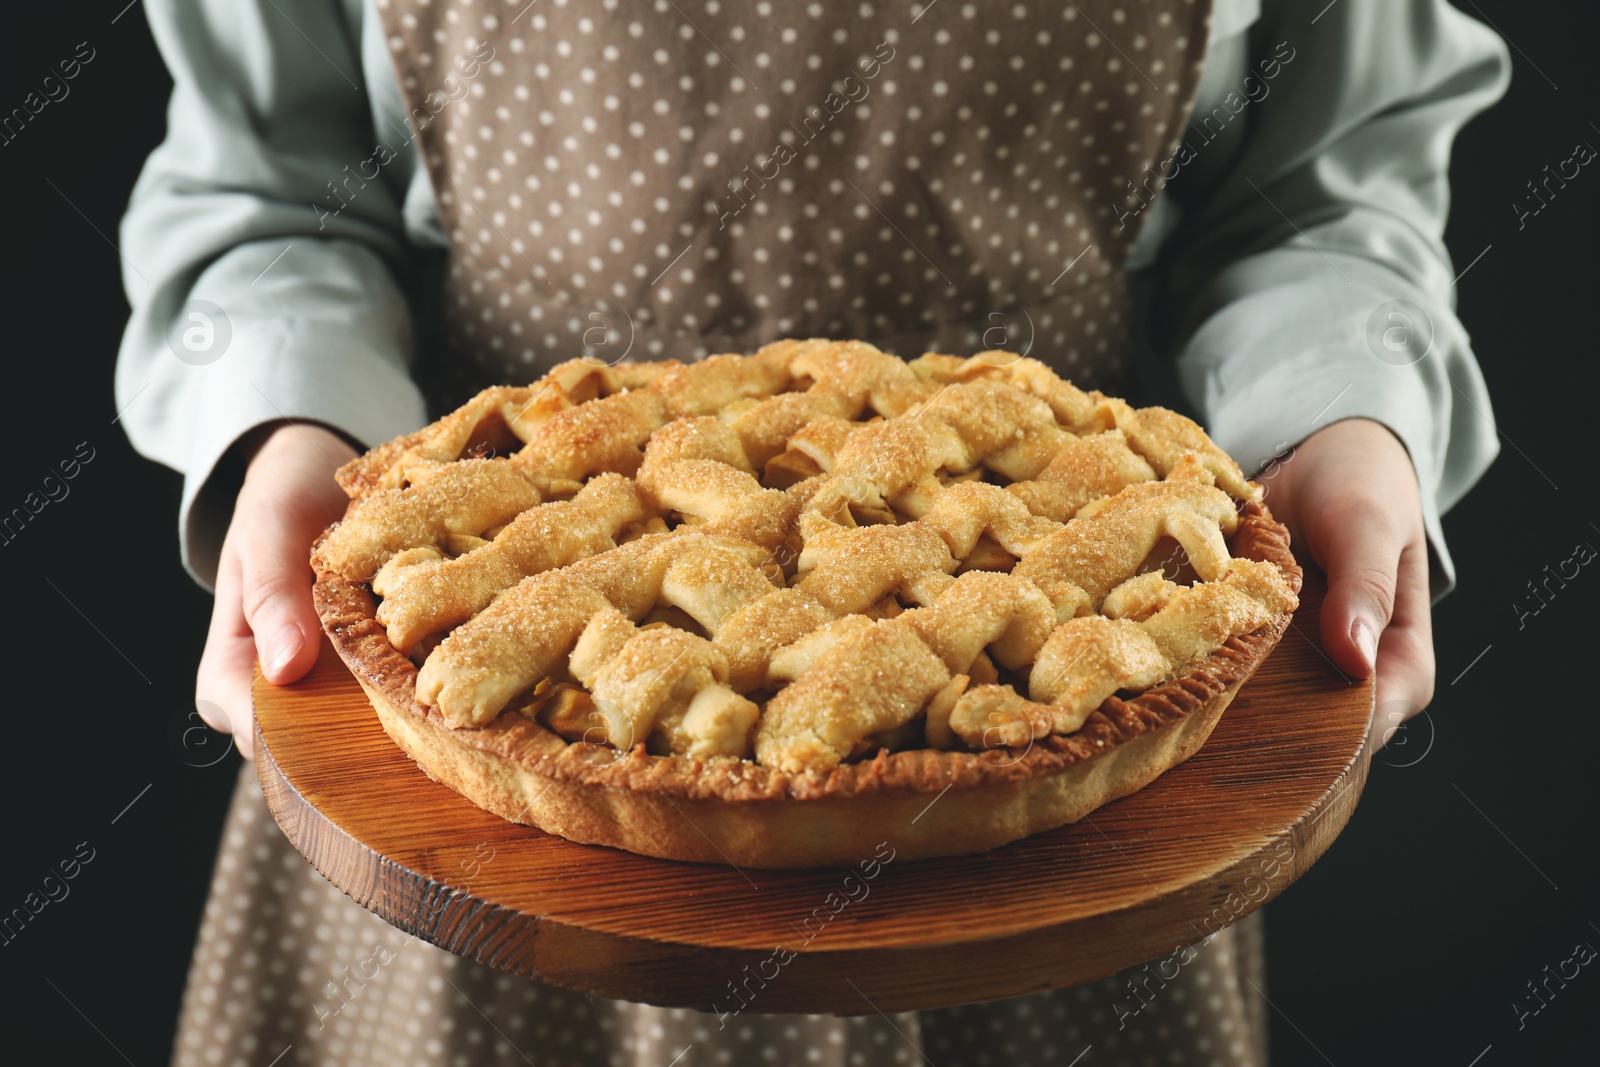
(1349, 495)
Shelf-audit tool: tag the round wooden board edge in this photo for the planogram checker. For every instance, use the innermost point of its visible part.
(850, 981)
(925, 977)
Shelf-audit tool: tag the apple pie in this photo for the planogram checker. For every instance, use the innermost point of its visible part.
(771, 610)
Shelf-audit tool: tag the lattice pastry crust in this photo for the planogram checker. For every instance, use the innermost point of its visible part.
(749, 608)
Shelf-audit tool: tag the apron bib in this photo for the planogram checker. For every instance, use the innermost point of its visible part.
(643, 181)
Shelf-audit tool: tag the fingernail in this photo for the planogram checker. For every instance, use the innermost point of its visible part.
(284, 646)
(1366, 641)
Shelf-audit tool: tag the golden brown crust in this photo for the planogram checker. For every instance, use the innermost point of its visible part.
(348, 613)
(781, 833)
(736, 623)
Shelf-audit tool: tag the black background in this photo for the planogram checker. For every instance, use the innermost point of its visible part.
(1467, 869)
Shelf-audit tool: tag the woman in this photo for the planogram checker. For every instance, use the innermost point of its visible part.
(355, 198)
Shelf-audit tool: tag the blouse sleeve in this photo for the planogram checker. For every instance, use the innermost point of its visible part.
(261, 247)
(1309, 281)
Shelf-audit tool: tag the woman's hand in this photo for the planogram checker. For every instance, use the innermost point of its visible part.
(1349, 495)
(263, 606)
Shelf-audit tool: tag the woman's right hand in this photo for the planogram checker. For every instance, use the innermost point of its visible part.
(263, 605)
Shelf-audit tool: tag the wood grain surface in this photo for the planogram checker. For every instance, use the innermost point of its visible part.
(1206, 844)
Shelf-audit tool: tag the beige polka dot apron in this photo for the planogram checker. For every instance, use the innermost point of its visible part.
(670, 179)
(632, 180)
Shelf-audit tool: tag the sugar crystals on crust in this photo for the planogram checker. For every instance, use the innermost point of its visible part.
(801, 557)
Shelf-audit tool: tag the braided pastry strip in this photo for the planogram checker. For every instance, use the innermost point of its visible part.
(425, 593)
(765, 427)
(1073, 408)
(465, 497)
(858, 373)
(857, 678)
(1107, 541)
(717, 382)
(1160, 436)
(525, 635)
(1083, 470)
(661, 679)
(875, 677)
(1088, 659)
(495, 417)
(573, 429)
(697, 466)
(1167, 439)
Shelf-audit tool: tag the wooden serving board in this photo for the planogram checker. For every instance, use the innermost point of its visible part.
(1204, 845)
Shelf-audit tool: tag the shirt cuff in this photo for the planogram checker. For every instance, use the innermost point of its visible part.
(362, 394)
(1298, 341)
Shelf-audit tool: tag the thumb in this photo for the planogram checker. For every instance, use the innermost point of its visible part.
(275, 588)
(289, 495)
(1360, 552)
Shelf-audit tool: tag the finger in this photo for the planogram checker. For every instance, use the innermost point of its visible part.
(222, 683)
(1360, 551)
(275, 593)
(1406, 665)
